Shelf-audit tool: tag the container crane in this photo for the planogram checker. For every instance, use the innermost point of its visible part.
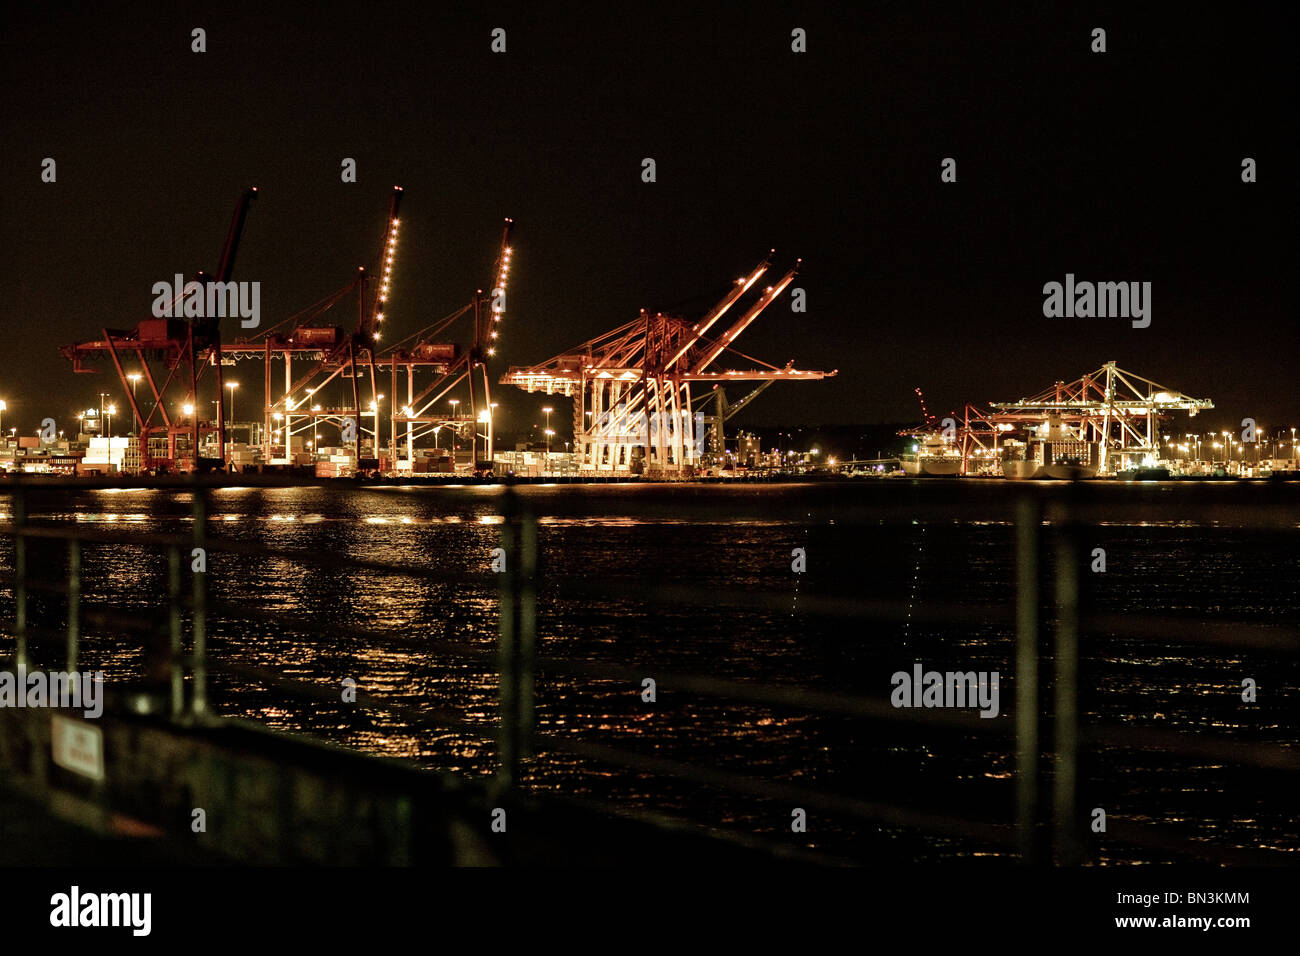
(173, 343)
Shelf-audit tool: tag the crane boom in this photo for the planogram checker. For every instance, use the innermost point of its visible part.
(732, 409)
(374, 317)
(485, 331)
(719, 310)
(724, 411)
(206, 328)
(744, 321)
(227, 267)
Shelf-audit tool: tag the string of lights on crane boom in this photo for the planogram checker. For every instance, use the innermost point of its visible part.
(499, 294)
(390, 250)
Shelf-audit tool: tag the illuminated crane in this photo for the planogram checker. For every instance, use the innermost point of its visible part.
(631, 386)
(183, 349)
(1117, 409)
(423, 411)
(330, 352)
(723, 412)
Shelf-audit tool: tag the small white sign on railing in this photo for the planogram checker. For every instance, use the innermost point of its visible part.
(77, 746)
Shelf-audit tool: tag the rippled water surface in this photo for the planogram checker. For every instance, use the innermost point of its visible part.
(874, 541)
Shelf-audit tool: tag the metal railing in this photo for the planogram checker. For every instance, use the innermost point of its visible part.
(1046, 733)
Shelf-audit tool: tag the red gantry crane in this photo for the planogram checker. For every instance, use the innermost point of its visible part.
(424, 411)
(329, 353)
(179, 351)
(632, 386)
(313, 356)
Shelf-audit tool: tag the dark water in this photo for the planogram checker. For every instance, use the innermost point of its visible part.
(941, 544)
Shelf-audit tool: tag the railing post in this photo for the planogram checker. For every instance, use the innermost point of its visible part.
(1066, 737)
(74, 603)
(517, 642)
(1029, 520)
(199, 698)
(20, 578)
(174, 623)
(527, 633)
(507, 754)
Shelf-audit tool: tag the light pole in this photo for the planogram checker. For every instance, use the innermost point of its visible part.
(102, 396)
(112, 410)
(232, 386)
(407, 411)
(374, 410)
(134, 377)
(452, 441)
(546, 410)
(103, 419)
(3, 406)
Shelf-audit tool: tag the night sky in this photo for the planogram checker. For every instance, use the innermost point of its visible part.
(1122, 166)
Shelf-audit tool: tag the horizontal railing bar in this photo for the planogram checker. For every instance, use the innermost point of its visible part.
(1224, 749)
(485, 579)
(116, 619)
(360, 633)
(1094, 511)
(102, 615)
(673, 823)
(776, 695)
(435, 718)
(1176, 841)
(1225, 634)
(54, 533)
(782, 602)
(303, 556)
(777, 790)
(44, 584)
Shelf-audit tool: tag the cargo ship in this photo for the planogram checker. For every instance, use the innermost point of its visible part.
(931, 456)
(1052, 450)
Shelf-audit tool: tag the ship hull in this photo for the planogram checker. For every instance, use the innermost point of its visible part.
(932, 468)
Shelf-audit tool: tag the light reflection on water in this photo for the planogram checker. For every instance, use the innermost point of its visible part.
(743, 540)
